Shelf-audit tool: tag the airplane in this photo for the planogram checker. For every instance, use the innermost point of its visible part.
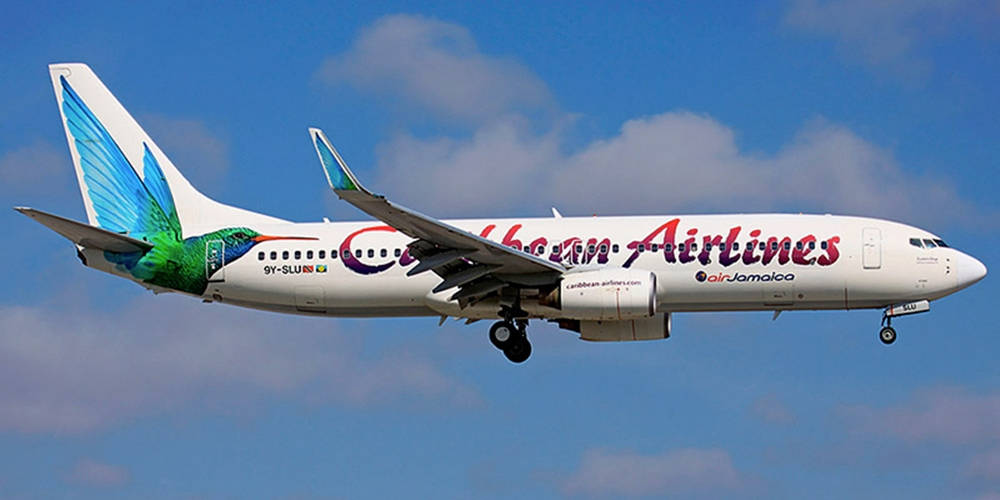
(604, 278)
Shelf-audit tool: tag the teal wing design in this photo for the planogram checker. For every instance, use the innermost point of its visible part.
(120, 199)
(339, 179)
(156, 183)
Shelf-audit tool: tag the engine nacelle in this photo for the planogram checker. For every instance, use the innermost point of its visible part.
(608, 295)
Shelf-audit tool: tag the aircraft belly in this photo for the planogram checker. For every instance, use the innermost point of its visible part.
(327, 289)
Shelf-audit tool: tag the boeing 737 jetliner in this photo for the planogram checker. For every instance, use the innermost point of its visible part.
(605, 278)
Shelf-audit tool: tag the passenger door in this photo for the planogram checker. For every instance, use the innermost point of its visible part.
(871, 254)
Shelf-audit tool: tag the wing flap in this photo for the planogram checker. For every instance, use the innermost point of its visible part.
(86, 235)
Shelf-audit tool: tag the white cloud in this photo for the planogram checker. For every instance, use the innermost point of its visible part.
(771, 409)
(92, 473)
(39, 167)
(201, 154)
(68, 372)
(984, 466)
(675, 161)
(501, 166)
(888, 34)
(668, 162)
(676, 472)
(942, 415)
(437, 66)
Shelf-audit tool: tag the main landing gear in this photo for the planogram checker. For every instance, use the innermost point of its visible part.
(510, 337)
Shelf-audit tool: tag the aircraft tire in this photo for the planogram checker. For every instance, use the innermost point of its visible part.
(887, 335)
(503, 335)
(519, 352)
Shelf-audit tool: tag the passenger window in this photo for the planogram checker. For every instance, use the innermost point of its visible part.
(722, 247)
(654, 247)
(322, 254)
(788, 245)
(694, 246)
(398, 252)
(916, 242)
(798, 245)
(823, 245)
(812, 245)
(260, 255)
(555, 249)
(614, 248)
(591, 248)
(384, 253)
(929, 244)
(357, 253)
(680, 247)
(333, 254)
(604, 249)
(298, 254)
(708, 246)
(371, 253)
(668, 247)
(764, 245)
(774, 245)
(579, 248)
(274, 255)
(309, 254)
(284, 255)
(642, 247)
(736, 246)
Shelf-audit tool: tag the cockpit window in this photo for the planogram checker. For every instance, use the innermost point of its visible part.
(941, 243)
(916, 242)
(929, 244)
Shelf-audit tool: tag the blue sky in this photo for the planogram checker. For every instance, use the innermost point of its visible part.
(462, 110)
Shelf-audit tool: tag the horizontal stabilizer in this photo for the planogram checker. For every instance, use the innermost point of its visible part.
(86, 235)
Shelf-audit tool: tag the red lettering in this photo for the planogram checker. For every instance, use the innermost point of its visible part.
(832, 254)
(799, 255)
(727, 257)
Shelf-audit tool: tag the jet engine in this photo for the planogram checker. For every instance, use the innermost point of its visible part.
(605, 295)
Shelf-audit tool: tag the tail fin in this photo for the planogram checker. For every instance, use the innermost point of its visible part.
(107, 145)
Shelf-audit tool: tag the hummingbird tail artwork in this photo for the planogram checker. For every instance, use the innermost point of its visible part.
(169, 235)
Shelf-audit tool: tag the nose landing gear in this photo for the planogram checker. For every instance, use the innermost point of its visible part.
(511, 338)
(888, 334)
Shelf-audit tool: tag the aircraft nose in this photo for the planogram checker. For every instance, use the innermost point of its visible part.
(969, 270)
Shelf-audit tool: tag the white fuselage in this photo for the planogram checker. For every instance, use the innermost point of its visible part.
(736, 262)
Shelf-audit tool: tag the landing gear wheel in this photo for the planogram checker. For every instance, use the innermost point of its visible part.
(887, 335)
(503, 334)
(519, 351)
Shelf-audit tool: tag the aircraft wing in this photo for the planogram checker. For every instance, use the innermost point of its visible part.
(86, 235)
(476, 265)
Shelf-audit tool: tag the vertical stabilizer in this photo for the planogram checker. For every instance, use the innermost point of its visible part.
(128, 184)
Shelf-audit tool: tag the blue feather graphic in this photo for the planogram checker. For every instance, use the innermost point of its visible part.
(121, 200)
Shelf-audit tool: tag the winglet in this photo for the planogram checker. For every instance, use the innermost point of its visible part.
(337, 174)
